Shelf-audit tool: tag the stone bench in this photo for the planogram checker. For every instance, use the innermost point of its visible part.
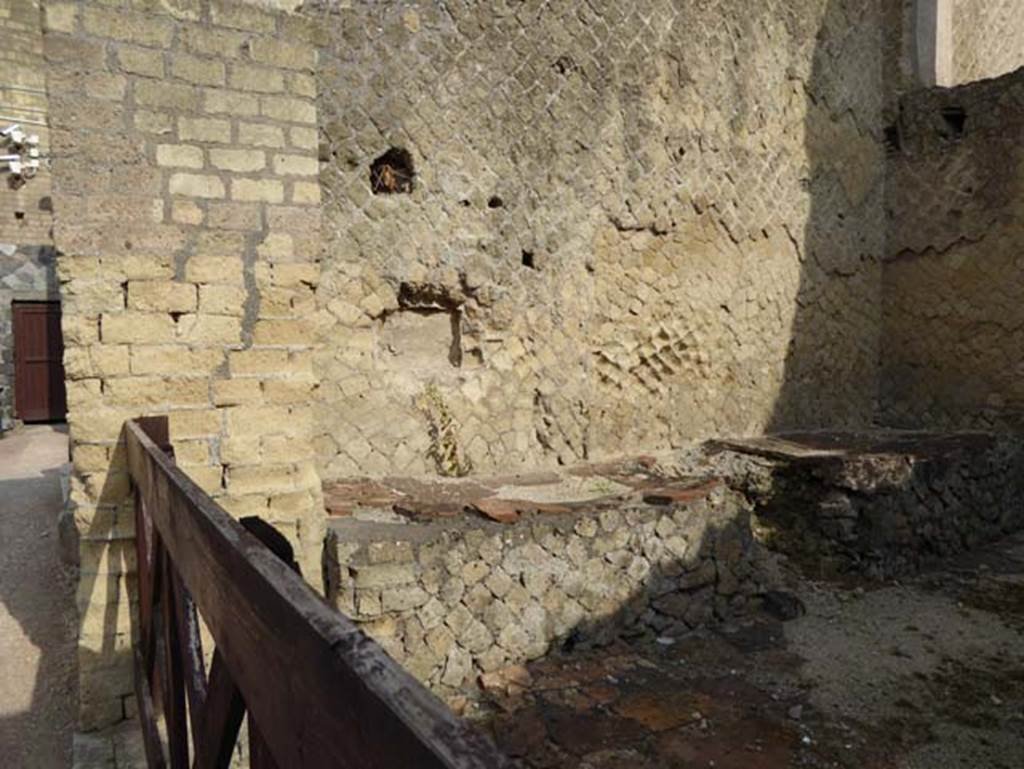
(452, 593)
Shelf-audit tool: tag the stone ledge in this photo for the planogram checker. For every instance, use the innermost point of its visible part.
(882, 503)
(457, 597)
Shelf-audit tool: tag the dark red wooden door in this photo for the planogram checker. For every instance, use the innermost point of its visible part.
(39, 394)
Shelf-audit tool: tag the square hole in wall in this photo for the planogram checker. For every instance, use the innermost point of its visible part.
(422, 339)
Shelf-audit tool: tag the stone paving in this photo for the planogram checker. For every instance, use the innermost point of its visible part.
(37, 607)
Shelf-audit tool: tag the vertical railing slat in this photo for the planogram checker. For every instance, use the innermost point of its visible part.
(215, 738)
(323, 694)
(260, 756)
(173, 672)
(191, 650)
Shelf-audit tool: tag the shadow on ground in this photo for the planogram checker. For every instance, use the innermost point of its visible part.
(37, 615)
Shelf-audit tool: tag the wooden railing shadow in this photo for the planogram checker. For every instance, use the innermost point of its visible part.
(317, 691)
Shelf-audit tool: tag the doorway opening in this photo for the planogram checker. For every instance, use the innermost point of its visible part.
(39, 393)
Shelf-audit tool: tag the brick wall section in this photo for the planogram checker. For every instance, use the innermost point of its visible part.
(187, 214)
(953, 324)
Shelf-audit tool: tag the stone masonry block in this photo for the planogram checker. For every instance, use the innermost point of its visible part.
(214, 269)
(204, 130)
(210, 329)
(173, 359)
(289, 390)
(97, 425)
(236, 216)
(141, 61)
(218, 101)
(239, 16)
(277, 246)
(292, 505)
(240, 449)
(262, 190)
(260, 478)
(302, 84)
(305, 193)
(160, 123)
(222, 299)
(278, 53)
(257, 420)
(161, 296)
(187, 212)
(383, 575)
(260, 362)
(195, 424)
(242, 161)
(303, 138)
(261, 79)
(180, 155)
(61, 17)
(283, 332)
(236, 392)
(196, 185)
(293, 275)
(295, 165)
(260, 135)
(197, 70)
(163, 95)
(210, 41)
(288, 109)
(127, 25)
(151, 328)
(285, 448)
(192, 452)
(158, 391)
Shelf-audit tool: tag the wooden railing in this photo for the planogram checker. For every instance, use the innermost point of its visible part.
(317, 692)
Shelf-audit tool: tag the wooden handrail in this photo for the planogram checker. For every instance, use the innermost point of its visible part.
(318, 691)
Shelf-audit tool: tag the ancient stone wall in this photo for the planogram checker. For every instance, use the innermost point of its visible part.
(624, 224)
(455, 598)
(186, 213)
(26, 253)
(953, 319)
(881, 504)
(988, 38)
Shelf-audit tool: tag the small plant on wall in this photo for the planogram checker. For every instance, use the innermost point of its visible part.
(444, 439)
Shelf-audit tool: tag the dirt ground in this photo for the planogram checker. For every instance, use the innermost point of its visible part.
(923, 674)
(37, 616)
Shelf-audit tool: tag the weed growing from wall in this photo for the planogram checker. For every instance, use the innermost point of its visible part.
(444, 439)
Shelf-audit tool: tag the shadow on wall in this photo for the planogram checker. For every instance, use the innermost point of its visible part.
(953, 319)
(831, 366)
(107, 601)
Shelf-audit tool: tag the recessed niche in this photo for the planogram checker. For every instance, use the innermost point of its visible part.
(955, 119)
(495, 202)
(893, 141)
(425, 333)
(392, 172)
(528, 260)
(422, 339)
